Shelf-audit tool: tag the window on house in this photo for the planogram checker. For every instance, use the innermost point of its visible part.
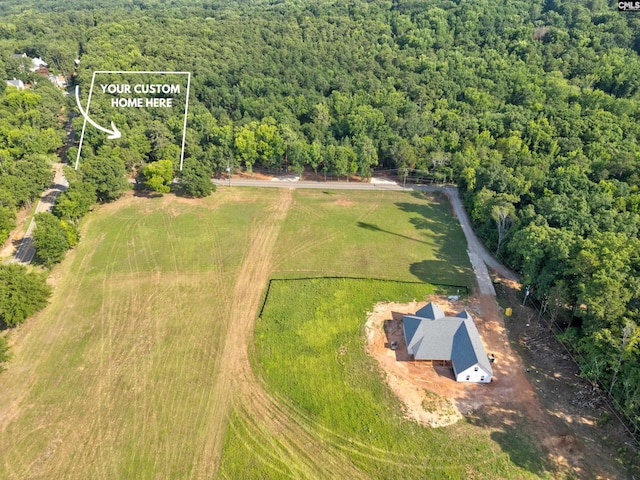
(468, 378)
(482, 379)
(475, 369)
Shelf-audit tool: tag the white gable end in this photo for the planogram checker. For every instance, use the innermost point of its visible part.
(474, 374)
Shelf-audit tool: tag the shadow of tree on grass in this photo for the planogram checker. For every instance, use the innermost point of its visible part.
(442, 272)
(435, 226)
(435, 221)
(375, 228)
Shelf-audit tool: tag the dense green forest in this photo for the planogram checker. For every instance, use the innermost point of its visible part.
(531, 107)
(30, 134)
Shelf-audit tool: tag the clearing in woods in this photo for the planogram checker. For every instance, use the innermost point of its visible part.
(144, 365)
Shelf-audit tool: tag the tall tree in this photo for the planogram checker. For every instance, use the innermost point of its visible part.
(75, 202)
(269, 145)
(367, 155)
(106, 172)
(22, 293)
(52, 238)
(195, 179)
(503, 212)
(157, 176)
(246, 146)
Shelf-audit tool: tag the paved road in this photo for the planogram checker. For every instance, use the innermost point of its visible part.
(478, 254)
(26, 250)
(306, 184)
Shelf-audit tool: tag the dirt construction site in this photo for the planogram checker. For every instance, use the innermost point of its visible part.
(544, 388)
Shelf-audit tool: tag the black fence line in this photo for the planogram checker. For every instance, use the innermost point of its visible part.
(612, 404)
(463, 288)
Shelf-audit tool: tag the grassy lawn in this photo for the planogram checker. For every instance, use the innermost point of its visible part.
(119, 377)
(381, 234)
(310, 351)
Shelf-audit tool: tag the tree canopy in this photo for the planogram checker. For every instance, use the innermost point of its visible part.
(52, 238)
(22, 293)
(30, 134)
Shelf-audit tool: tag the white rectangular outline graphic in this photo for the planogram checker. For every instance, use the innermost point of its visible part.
(122, 72)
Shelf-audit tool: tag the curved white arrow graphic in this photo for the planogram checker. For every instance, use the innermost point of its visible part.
(113, 133)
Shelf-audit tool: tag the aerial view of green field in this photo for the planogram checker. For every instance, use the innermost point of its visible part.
(145, 364)
(311, 239)
(148, 329)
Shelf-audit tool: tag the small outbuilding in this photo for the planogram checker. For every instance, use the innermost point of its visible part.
(19, 84)
(432, 336)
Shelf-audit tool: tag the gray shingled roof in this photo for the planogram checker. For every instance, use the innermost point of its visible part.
(438, 337)
(433, 339)
(430, 310)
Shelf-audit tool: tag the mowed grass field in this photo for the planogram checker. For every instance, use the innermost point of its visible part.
(310, 352)
(139, 366)
(393, 235)
(117, 377)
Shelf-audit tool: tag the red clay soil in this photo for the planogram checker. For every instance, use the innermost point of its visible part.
(386, 324)
(432, 396)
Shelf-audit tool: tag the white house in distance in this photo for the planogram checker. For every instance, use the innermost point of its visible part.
(37, 63)
(432, 336)
(33, 64)
(19, 84)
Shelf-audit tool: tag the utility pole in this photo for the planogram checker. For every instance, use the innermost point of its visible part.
(526, 294)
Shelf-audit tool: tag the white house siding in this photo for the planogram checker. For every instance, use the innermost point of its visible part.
(473, 374)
